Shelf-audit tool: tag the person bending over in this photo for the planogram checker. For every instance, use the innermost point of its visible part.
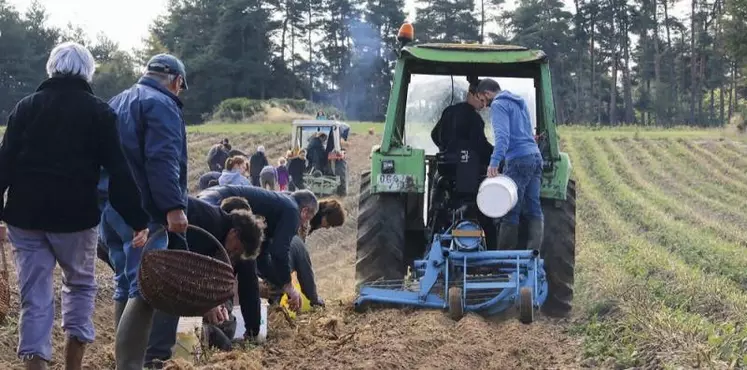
(240, 233)
(330, 214)
(283, 213)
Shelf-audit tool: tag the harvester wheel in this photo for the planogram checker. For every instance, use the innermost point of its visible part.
(381, 235)
(526, 306)
(559, 252)
(456, 305)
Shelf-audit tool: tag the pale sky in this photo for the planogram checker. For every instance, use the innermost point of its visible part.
(127, 21)
(124, 21)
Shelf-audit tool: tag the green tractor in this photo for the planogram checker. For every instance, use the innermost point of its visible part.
(327, 174)
(394, 215)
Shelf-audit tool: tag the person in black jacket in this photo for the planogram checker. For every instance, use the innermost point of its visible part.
(296, 169)
(257, 162)
(330, 214)
(55, 144)
(284, 213)
(459, 124)
(217, 155)
(316, 153)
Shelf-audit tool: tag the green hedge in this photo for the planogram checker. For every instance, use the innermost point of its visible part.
(243, 109)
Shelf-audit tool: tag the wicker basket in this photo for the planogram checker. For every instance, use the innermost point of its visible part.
(4, 278)
(185, 283)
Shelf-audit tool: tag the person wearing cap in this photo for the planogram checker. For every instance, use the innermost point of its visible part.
(515, 144)
(153, 136)
(257, 162)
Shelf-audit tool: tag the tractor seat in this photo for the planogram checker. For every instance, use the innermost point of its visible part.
(461, 169)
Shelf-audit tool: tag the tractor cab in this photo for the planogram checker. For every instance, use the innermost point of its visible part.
(326, 168)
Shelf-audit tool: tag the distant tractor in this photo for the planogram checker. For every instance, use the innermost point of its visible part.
(326, 172)
(420, 240)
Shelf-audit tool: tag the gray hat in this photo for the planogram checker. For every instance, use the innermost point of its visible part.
(169, 64)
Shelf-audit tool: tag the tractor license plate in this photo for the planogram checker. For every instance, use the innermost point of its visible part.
(394, 182)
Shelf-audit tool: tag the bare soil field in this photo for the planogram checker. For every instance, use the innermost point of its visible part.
(660, 275)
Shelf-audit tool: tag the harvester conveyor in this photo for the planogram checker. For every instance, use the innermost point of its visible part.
(464, 277)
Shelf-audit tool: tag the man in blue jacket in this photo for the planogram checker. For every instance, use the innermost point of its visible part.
(514, 143)
(153, 137)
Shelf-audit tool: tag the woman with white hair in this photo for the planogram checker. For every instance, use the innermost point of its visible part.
(56, 142)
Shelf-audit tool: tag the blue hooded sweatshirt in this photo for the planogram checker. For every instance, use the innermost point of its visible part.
(233, 178)
(512, 128)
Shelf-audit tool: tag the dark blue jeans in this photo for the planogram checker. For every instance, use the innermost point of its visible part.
(526, 172)
(117, 236)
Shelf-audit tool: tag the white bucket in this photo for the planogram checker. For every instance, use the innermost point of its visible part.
(188, 338)
(497, 196)
(241, 329)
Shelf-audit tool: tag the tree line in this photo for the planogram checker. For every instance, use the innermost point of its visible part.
(612, 61)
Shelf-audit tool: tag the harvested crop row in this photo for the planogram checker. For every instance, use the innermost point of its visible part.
(715, 161)
(729, 157)
(729, 183)
(665, 223)
(736, 149)
(681, 186)
(697, 176)
(676, 298)
(635, 177)
(614, 225)
(661, 228)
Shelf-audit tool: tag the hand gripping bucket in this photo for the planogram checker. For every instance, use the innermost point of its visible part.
(4, 278)
(185, 283)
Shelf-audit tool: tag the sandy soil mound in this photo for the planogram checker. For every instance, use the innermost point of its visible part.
(337, 337)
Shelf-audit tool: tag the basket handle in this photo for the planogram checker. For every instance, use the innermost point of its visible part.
(216, 242)
(162, 230)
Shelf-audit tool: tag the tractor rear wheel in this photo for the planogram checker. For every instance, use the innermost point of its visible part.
(381, 235)
(559, 252)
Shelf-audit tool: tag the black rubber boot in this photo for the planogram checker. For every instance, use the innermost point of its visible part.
(119, 307)
(133, 334)
(536, 232)
(508, 236)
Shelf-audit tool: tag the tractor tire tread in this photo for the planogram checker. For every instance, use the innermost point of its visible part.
(559, 252)
(381, 236)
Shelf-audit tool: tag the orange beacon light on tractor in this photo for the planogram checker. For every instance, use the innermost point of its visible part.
(406, 33)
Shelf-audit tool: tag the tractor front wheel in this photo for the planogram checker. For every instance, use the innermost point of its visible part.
(559, 252)
(381, 235)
